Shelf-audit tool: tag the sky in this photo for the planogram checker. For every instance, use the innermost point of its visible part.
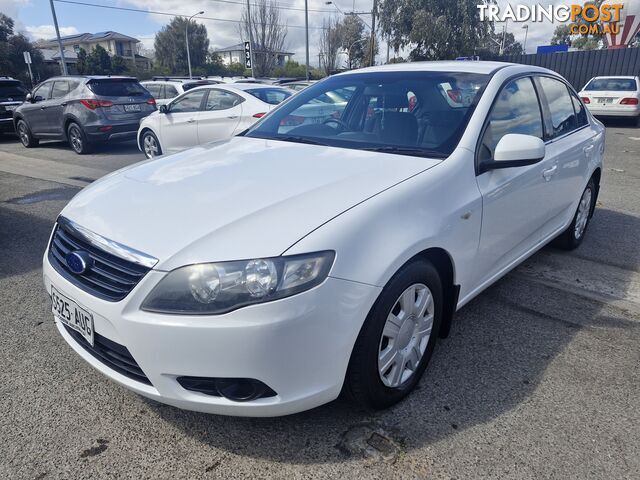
(33, 17)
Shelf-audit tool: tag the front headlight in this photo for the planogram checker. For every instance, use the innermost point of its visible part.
(215, 288)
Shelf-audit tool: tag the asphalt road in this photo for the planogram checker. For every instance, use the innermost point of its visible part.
(539, 378)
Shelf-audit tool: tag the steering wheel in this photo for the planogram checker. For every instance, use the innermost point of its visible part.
(336, 121)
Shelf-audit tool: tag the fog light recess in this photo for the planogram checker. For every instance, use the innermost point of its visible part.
(235, 389)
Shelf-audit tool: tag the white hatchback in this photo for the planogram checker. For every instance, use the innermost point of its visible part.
(613, 97)
(206, 114)
(267, 274)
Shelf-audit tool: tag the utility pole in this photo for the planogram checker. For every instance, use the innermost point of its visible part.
(306, 33)
(374, 11)
(186, 36)
(55, 24)
(526, 33)
(250, 39)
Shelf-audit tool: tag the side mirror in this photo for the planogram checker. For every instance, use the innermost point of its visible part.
(29, 98)
(515, 150)
(163, 109)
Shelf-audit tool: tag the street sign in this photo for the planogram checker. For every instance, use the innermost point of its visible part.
(247, 54)
(27, 58)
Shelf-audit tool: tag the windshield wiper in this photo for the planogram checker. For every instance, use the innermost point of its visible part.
(297, 139)
(418, 152)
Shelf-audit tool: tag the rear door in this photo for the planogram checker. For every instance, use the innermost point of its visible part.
(570, 145)
(53, 111)
(178, 127)
(221, 116)
(515, 201)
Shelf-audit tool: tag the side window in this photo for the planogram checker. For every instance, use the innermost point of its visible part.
(43, 91)
(221, 100)
(563, 118)
(154, 89)
(581, 112)
(516, 110)
(170, 91)
(60, 89)
(188, 103)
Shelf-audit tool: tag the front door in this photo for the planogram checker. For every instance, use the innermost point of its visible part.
(178, 127)
(53, 108)
(35, 112)
(220, 117)
(515, 201)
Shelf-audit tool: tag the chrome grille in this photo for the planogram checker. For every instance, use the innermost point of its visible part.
(109, 277)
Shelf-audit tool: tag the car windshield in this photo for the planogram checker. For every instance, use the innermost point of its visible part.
(117, 88)
(614, 84)
(272, 96)
(412, 113)
(12, 90)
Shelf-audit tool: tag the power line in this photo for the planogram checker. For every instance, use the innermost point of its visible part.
(281, 7)
(169, 14)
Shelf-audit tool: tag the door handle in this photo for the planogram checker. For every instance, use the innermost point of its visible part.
(589, 149)
(232, 117)
(43, 107)
(548, 173)
(191, 120)
(63, 104)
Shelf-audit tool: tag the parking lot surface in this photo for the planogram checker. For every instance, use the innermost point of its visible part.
(540, 377)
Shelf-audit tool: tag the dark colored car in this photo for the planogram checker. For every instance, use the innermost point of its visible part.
(12, 94)
(84, 110)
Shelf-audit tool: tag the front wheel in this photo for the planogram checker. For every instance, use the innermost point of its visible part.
(26, 137)
(77, 139)
(150, 145)
(572, 237)
(398, 337)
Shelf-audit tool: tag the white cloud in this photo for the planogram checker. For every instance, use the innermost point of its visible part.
(37, 32)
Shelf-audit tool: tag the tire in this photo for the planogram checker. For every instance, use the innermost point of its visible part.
(572, 237)
(77, 139)
(150, 144)
(373, 379)
(25, 135)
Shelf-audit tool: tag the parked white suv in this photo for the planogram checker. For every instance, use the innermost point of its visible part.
(264, 275)
(166, 90)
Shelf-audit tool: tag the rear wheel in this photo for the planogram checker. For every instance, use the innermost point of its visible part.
(26, 137)
(77, 139)
(398, 337)
(572, 237)
(150, 144)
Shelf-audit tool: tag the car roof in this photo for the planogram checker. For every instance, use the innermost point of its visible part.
(625, 77)
(482, 67)
(93, 77)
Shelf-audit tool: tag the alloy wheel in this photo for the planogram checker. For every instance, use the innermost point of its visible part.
(405, 335)
(23, 133)
(75, 138)
(150, 146)
(582, 217)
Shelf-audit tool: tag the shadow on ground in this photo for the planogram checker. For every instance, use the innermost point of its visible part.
(500, 346)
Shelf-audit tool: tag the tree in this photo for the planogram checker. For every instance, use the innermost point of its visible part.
(214, 65)
(98, 61)
(561, 35)
(269, 32)
(118, 65)
(436, 29)
(355, 41)
(291, 69)
(171, 49)
(81, 64)
(12, 47)
(330, 43)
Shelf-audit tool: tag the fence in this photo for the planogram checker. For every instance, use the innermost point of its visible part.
(579, 67)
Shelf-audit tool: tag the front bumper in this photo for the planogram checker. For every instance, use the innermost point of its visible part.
(6, 125)
(299, 346)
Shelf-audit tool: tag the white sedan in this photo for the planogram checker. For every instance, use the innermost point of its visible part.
(613, 97)
(206, 114)
(267, 274)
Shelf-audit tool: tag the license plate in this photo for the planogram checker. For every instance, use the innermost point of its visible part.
(132, 108)
(605, 100)
(72, 315)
